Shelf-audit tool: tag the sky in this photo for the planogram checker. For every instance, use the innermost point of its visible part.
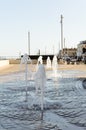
(42, 19)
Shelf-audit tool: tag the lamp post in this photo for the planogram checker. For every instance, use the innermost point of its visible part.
(61, 33)
(29, 43)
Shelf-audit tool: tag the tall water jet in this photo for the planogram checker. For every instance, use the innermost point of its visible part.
(48, 63)
(25, 60)
(39, 61)
(54, 65)
(40, 81)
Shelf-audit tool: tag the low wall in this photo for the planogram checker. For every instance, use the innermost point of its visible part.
(4, 62)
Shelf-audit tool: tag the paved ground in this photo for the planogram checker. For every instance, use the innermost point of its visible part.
(16, 67)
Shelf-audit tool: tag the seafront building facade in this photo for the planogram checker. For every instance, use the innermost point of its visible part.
(68, 52)
(81, 49)
(79, 52)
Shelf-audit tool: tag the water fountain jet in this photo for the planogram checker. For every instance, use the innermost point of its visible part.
(54, 65)
(48, 63)
(25, 60)
(40, 80)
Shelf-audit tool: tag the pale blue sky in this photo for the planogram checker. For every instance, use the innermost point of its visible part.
(42, 19)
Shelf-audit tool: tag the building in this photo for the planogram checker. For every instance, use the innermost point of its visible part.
(68, 52)
(81, 49)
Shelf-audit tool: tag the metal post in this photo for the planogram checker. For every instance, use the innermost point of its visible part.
(62, 33)
(29, 43)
